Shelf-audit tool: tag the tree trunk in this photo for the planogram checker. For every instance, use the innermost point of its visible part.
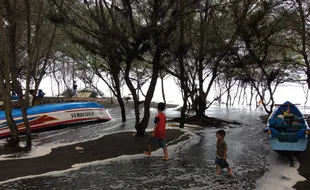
(188, 106)
(228, 92)
(134, 95)
(185, 93)
(42, 71)
(193, 105)
(240, 95)
(307, 95)
(236, 93)
(251, 97)
(23, 102)
(122, 106)
(203, 101)
(262, 98)
(271, 93)
(7, 66)
(183, 75)
(162, 87)
(191, 102)
(115, 76)
(24, 106)
(183, 112)
(256, 100)
(245, 99)
(149, 95)
(201, 106)
(200, 103)
(57, 82)
(14, 135)
(202, 28)
(219, 99)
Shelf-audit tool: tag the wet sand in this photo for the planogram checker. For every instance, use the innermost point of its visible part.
(304, 168)
(191, 165)
(62, 158)
(303, 159)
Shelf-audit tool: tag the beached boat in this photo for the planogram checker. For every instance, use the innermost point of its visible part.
(52, 115)
(288, 129)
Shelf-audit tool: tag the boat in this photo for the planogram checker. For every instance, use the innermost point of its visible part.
(287, 129)
(51, 115)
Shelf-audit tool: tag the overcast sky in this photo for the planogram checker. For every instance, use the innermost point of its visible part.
(291, 92)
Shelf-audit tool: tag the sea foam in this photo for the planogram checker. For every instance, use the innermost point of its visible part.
(280, 175)
(172, 150)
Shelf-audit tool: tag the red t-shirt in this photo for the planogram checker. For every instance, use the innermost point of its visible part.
(160, 120)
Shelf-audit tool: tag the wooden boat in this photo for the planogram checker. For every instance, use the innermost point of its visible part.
(52, 115)
(288, 129)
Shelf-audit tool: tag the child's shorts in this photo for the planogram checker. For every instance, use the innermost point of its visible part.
(158, 141)
(221, 162)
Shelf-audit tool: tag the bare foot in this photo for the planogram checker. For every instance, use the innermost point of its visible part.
(147, 153)
(165, 158)
(218, 172)
(230, 172)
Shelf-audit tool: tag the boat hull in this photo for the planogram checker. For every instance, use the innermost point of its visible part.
(52, 115)
(298, 146)
(287, 135)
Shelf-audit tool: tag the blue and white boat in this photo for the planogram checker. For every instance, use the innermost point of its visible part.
(287, 129)
(52, 115)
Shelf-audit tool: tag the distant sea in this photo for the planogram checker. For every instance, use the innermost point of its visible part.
(285, 92)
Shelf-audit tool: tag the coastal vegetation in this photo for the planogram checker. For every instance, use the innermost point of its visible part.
(202, 44)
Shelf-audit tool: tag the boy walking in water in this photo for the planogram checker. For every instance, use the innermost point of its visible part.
(221, 153)
(159, 133)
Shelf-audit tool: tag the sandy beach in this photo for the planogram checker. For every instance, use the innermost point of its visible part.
(62, 158)
(189, 167)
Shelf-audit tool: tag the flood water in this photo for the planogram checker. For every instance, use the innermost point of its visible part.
(191, 164)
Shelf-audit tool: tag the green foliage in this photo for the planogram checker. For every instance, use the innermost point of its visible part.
(261, 43)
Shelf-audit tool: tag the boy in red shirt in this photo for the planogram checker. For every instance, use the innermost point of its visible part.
(159, 132)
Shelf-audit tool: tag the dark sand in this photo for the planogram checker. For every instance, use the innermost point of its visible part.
(303, 159)
(63, 158)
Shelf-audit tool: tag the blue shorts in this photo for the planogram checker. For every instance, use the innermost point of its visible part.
(221, 162)
(158, 141)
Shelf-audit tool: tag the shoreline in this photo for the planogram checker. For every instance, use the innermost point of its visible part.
(65, 157)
